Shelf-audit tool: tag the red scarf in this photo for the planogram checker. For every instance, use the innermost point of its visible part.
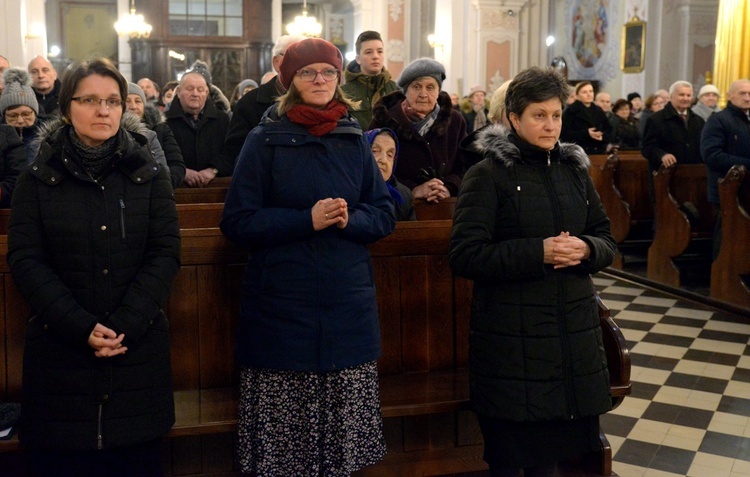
(317, 121)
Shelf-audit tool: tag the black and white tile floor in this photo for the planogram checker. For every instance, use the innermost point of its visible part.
(689, 413)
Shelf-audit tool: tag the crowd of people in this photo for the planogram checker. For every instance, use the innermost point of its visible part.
(325, 158)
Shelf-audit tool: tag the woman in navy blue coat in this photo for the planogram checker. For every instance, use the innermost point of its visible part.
(306, 198)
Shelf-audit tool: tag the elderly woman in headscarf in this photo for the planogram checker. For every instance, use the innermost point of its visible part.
(429, 131)
(384, 146)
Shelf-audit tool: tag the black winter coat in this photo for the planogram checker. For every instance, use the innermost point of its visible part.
(725, 142)
(576, 121)
(12, 161)
(155, 121)
(200, 146)
(247, 114)
(84, 252)
(666, 133)
(535, 350)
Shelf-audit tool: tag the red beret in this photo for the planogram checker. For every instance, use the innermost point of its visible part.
(306, 52)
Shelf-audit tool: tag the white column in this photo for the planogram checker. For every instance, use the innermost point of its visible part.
(124, 58)
(23, 35)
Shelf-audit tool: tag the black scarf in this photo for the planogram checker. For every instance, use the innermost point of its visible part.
(94, 160)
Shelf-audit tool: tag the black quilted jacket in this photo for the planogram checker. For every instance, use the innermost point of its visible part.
(81, 252)
(536, 349)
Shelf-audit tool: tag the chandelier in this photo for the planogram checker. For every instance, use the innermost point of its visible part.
(304, 25)
(133, 25)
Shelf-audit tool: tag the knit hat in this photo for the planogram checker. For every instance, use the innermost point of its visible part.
(632, 96)
(476, 89)
(246, 83)
(708, 88)
(306, 52)
(135, 89)
(422, 67)
(17, 90)
(202, 69)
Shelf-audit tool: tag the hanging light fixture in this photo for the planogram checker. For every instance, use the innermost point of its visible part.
(132, 24)
(304, 25)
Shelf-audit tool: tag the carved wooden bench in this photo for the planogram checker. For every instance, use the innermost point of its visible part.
(684, 221)
(730, 272)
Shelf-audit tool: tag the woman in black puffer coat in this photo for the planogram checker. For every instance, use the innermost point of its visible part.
(93, 245)
(529, 229)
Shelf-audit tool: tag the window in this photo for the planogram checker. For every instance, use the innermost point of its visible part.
(205, 17)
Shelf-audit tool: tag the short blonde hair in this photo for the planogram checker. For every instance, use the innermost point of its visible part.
(497, 104)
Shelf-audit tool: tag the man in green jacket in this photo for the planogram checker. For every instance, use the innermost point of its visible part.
(367, 80)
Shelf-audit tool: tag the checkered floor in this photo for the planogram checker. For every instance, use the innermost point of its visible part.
(689, 413)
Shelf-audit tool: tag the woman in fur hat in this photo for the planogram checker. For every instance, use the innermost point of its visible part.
(429, 131)
(93, 245)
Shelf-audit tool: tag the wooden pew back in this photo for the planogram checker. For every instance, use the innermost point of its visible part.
(682, 214)
(730, 271)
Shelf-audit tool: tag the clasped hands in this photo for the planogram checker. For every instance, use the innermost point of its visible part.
(565, 251)
(327, 212)
(432, 191)
(596, 134)
(105, 342)
(201, 178)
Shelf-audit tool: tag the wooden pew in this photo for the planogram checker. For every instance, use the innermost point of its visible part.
(442, 210)
(622, 181)
(215, 192)
(199, 216)
(730, 272)
(676, 228)
(424, 318)
(602, 172)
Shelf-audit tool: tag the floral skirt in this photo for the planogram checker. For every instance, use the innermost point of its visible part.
(299, 424)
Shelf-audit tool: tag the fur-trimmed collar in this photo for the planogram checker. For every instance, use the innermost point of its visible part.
(493, 142)
(152, 117)
(387, 113)
(137, 161)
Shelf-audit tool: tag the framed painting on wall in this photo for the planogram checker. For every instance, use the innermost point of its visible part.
(88, 30)
(633, 46)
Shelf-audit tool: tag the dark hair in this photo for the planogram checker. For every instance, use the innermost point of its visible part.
(534, 85)
(581, 84)
(167, 86)
(650, 101)
(77, 72)
(620, 103)
(366, 36)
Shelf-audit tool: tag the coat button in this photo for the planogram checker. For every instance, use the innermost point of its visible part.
(46, 327)
(105, 271)
(35, 168)
(52, 179)
(138, 179)
(104, 227)
(105, 397)
(294, 140)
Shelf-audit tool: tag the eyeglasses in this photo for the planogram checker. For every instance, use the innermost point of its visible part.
(15, 116)
(310, 75)
(92, 102)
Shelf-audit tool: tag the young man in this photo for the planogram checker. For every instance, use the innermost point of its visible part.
(367, 80)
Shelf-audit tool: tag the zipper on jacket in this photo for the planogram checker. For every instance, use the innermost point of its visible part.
(549, 161)
(99, 439)
(122, 219)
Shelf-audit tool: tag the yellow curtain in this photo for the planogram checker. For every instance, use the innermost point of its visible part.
(732, 57)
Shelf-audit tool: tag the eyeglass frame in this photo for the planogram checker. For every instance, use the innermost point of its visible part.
(16, 116)
(118, 102)
(299, 72)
